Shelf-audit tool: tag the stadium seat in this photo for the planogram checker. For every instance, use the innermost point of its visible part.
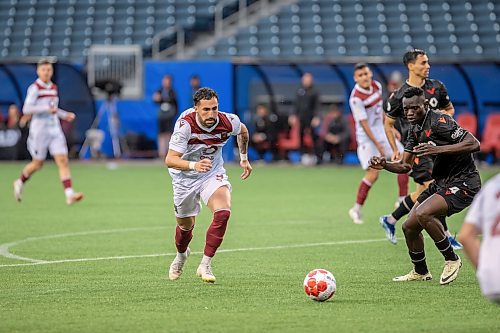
(468, 121)
(491, 135)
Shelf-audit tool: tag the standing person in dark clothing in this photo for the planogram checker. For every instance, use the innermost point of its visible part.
(306, 108)
(336, 138)
(417, 63)
(167, 99)
(263, 138)
(456, 181)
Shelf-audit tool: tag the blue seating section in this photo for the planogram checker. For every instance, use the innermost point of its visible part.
(316, 29)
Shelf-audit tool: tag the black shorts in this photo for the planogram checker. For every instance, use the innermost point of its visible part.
(165, 125)
(457, 194)
(421, 171)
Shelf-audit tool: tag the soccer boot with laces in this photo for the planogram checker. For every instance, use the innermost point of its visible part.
(450, 271)
(175, 270)
(18, 190)
(390, 229)
(355, 216)
(413, 276)
(205, 272)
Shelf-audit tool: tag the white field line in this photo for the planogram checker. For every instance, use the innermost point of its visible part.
(277, 247)
(4, 248)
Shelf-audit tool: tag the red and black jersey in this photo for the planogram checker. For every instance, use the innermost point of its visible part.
(435, 93)
(440, 129)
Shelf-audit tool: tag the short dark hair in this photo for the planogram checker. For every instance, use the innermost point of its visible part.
(204, 93)
(44, 61)
(411, 56)
(413, 91)
(360, 65)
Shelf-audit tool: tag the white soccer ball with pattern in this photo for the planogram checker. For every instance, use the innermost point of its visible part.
(320, 285)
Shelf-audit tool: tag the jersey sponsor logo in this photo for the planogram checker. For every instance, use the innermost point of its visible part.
(442, 120)
(457, 133)
(433, 102)
(431, 91)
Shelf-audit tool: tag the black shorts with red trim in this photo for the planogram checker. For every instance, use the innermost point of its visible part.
(458, 194)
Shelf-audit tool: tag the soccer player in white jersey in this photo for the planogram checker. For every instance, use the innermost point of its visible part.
(195, 163)
(366, 106)
(484, 218)
(45, 133)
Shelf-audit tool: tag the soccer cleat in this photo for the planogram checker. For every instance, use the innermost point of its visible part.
(18, 190)
(454, 243)
(413, 276)
(175, 270)
(450, 271)
(75, 197)
(205, 272)
(390, 229)
(355, 216)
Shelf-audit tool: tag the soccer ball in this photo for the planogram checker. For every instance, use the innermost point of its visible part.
(320, 285)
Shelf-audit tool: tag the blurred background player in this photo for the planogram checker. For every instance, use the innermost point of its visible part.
(335, 136)
(483, 218)
(456, 181)
(196, 166)
(167, 100)
(264, 134)
(306, 109)
(417, 63)
(45, 133)
(366, 107)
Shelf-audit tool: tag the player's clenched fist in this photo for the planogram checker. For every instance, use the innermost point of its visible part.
(203, 166)
(377, 162)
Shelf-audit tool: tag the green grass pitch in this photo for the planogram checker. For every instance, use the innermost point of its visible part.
(104, 261)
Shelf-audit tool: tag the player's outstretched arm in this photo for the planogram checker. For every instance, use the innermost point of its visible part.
(242, 139)
(403, 166)
(469, 144)
(65, 115)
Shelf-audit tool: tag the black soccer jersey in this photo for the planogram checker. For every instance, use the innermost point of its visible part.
(441, 130)
(435, 93)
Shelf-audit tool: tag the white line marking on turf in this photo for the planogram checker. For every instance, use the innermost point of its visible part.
(277, 247)
(4, 248)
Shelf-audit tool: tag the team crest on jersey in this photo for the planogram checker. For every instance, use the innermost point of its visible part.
(224, 136)
(433, 102)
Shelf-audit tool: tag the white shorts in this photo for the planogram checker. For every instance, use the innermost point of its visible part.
(187, 192)
(367, 150)
(40, 142)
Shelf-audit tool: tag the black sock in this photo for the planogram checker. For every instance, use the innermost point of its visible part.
(446, 250)
(442, 219)
(418, 259)
(404, 208)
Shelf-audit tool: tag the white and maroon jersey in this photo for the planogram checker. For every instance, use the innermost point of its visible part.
(367, 104)
(39, 98)
(197, 142)
(484, 214)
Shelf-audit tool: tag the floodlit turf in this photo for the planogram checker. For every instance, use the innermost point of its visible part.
(285, 222)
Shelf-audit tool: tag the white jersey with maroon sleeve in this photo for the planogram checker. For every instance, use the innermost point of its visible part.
(484, 214)
(197, 142)
(367, 104)
(40, 97)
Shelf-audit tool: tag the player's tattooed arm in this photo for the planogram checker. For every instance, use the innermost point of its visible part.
(242, 139)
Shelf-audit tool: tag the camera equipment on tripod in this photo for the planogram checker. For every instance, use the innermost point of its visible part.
(110, 87)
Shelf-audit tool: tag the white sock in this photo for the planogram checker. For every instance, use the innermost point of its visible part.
(357, 207)
(69, 192)
(400, 199)
(447, 233)
(182, 256)
(206, 260)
